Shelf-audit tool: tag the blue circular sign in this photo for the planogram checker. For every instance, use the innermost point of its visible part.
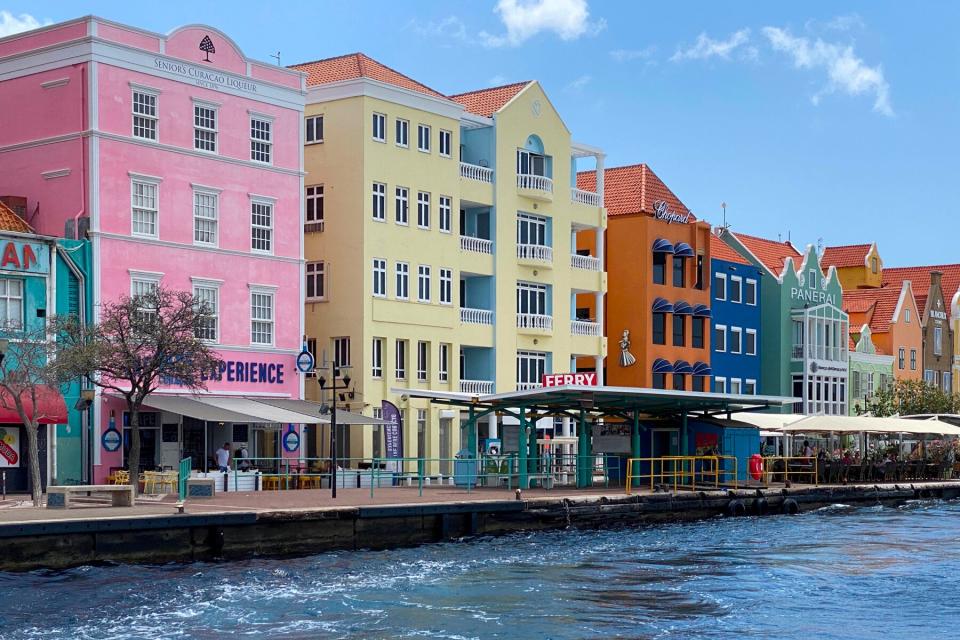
(291, 440)
(305, 361)
(111, 439)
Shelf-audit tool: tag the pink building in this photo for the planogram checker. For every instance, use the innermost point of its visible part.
(183, 158)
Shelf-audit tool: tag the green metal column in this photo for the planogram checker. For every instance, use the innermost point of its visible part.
(583, 452)
(533, 458)
(472, 433)
(635, 445)
(684, 436)
(522, 446)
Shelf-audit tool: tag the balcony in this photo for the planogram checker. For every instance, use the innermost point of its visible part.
(526, 386)
(585, 197)
(478, 387)
(313, 227)
(476, 316)
(584, 328)
(535, 321)
(587, 263)
(476, 245)
(534, 186)
(535, 252)
(476, 172)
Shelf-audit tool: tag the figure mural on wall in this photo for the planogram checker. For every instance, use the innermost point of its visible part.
(626, 358)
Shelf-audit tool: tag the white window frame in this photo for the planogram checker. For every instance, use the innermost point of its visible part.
(736, 284)
(317, 271)
(152, 118)
(379, 273)
(443, 366)
(401, 281)
(402, 126)
(424, 283)
(446, 285)
(750, 282)
(144, 279)
(212, 286)
(449, 145)
(379, 121)
(736, 383)
(400, 359)
(746, 350)
(270, 203)
(722, 381)
(317, 199)
(720, 348)
(341, 351)
(445, 212)
(739, 332)
(376, 358)
(937, 340)
(534, 296)
(401, 204)
(423, 209)
(378, 200)
(211, 136)
(750, 387)
(424, 131)
(154, 184)
(261, 138)
(531, 362)
(423, 361)
(720, 276)
(206, 192)
(310, 129)
(271, 322)
(10, 298)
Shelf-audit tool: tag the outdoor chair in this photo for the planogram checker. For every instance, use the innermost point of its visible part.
(889, 471)
(835, 472)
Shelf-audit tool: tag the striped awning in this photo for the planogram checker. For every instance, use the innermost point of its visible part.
(682, 366)
(662, 366)
(662, 245)
(702, 369)
(683, 250)
(682, 308)
(701, 311)
(661, 305)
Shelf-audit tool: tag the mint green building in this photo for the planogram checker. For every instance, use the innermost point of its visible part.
(869, 371)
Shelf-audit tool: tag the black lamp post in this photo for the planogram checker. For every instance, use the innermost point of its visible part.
(333, 421)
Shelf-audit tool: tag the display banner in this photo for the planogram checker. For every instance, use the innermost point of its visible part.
(393, 432)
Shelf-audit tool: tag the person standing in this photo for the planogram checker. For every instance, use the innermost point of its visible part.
(223, 457)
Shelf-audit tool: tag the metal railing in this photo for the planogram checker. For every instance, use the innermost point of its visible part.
(793, 468)
(534, 182)
(469, 315)
(539, 252)
(477, 245)
(682, 472)
(526, 386)
(482, 387)
(313, 227)
(184, 475)
(584, 328)
(476, 172)
(535, 321)
(588, 263)
(585, 197)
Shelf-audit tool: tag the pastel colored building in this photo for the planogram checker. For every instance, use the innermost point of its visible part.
(658, 298)
(441, 238)
(895, 325)
(859, 266)
(803, 329)
(181, 159)
(736, 308)
(870, 371)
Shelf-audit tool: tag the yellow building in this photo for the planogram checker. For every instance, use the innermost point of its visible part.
(440, 240)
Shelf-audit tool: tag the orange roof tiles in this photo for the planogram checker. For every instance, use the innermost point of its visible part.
(359, 65)
(878, 304)
(10, 221)
(920, 277)
(720, 250)
(632, 189)
(486, 102)
(851, 255)
(771, 253)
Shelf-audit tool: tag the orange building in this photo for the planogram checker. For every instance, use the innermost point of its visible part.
(658, 298)
(892, 315)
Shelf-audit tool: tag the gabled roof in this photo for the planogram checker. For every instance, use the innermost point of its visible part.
(850, 255)
(358, 65)
(920, 277)
(10, 221)
(486, 102)
(879, 305)
(632, 189)
(720, 250)
(771, 253)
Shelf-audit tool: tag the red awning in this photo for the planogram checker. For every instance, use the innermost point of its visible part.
(52, 408)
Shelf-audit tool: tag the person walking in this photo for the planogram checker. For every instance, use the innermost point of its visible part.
(223, 457)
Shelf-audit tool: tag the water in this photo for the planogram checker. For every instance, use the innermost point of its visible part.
(839, 572)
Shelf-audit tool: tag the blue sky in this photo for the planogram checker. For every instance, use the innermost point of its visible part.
(816, 119)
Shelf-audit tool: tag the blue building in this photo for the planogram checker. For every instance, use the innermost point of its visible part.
(735, 357)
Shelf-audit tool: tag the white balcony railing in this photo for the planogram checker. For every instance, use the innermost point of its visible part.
(585, 197)
(537, 252)
(480, 387)
(313, 227)
(526, 386)
(537, 183)
(534, 321)
(477, 245)
(589, 263)
(476, 172)
(584, 328)
(475, 316)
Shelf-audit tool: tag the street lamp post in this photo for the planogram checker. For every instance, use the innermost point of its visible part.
(333, 420)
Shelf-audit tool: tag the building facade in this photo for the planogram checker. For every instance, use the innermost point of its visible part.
(441, 237)
(859, 266)
(804, 331)
(736, 307)
(870, 371)
(893, 319)
(658, 299)
(181, 159)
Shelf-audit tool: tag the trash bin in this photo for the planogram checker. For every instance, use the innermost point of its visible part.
(465, 469)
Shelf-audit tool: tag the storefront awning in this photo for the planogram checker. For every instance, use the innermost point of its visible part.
(701, 311)
(701, 369)
(661, 305)
(682, 366)
(661, 245)
(192, 408)
(682, 308)
(51, 409)
(261, 412)
(662, 366)
(854, 424)
(683, 250)
(313, 409)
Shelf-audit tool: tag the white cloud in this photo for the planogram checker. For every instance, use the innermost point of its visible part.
(846, 23)
(626, 55)
(706, 47)
(524, 19)
(845, 71)
(449, 27)
(11, 24)
(579, 83)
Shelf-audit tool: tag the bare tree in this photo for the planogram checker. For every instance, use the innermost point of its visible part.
(140, 343)
(29, 366)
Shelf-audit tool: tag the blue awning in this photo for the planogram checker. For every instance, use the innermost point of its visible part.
(702, 369)
(682, 308)
(660, 245)
(682, 366)
(683, 250)
(701, 311)
(662, 366)
(661, 305)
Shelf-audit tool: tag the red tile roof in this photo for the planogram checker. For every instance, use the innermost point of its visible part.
(851, 255)
(10, 221)
(486, 102)
(720, 250)
(920, 277)
(632, 189)
(359, 65)
(771, 253)
(881, 302)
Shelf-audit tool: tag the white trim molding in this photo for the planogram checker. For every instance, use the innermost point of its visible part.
(56, 173)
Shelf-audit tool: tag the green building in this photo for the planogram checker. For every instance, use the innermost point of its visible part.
(869, 370)
(803, 328)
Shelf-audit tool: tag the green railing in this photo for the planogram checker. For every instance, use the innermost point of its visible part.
(183, 476)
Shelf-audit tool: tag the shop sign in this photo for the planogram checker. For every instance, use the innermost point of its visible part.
(393, 432)
(560, 379)
(813, 295)
(25, 256)
(662, 211)
(305, 361)
(111, 439)
(9, 447)
(291, 439)
(816, 367)
(247, 371)
(207, 78)
(938, 315)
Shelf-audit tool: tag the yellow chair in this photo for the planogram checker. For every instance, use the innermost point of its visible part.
(121, 477)
(270, 483)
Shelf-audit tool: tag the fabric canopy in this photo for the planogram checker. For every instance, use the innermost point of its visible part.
(682, 308)
(51, 409)
(768, 421)
(856, 424)
(662, 306)
(683, 250)
(662, 366)
(701, 311)
(662, 246)
(313, 409)
(262, 412)
(702, 369)
(682, 366)
(188, 406)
